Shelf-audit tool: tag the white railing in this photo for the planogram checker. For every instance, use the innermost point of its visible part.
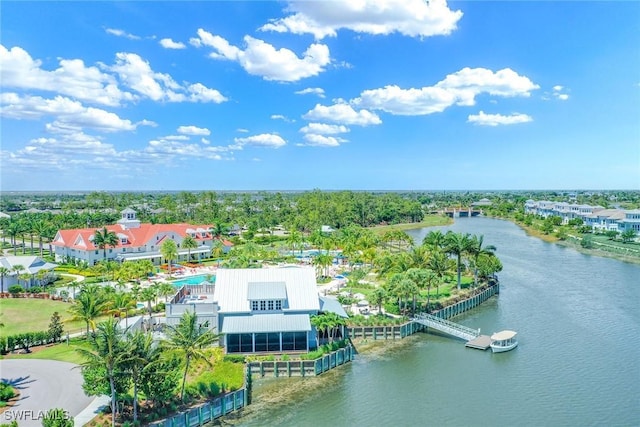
(447, 326)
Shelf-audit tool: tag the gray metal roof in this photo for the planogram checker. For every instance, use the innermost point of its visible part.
(232, 288)
(277, 322)
(332, 305)
(266, 290)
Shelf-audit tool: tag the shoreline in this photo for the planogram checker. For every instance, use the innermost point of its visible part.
(552, 239)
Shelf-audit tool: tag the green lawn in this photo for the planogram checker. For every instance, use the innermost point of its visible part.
(428, 221)
(61, 352)
(31, 315)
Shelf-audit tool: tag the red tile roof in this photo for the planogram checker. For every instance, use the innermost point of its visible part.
(79, 238)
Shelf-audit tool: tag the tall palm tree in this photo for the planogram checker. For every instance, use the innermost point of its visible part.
(142, 355)
(122, 302)
(458, 244)
(189, 339)
(441, 267)
(378, 297)
(434, 240)
(109, 353)
(4, 271)
(147, 295)
(169, 251)
(189, 243)
(476, 249)
(17, 269)
(88, 305)
(103, 238)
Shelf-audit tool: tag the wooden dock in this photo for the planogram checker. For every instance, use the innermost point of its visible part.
(482, 342)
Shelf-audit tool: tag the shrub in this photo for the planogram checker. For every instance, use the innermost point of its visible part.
(57, 418)
(234, 358)
(15, 289)
(6, 392)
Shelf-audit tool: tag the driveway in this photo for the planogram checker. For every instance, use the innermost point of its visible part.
(43, 385)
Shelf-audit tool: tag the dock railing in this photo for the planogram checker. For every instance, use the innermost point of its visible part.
(447, 326)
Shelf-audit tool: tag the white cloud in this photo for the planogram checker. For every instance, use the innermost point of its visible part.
(205, 141)
(66, 112)
(324, 129)
(137, 74)
(262, 59)
(459, 88)
(281, 117)
(121, 33)
(241, 130)
(263, 140)
(342, 113)
(311, 90)
(323, 141)
(193, 130)
(414, 18)
(559, 92)
(90, 84)
(72, 78)
(484, 119)
(170, 44)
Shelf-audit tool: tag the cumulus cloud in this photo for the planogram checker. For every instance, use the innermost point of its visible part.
(324, 129)
(413, 18)
(121, 33)
(316, 140)
(96, 85)
(559, 92)
(72, 78)
(262, 59)
(270, 140)
(484, 119)
(311, 90)
(342, 113)
(170, 44)
(66, 113)
(193, 130)
(137, 74)
(459, 88)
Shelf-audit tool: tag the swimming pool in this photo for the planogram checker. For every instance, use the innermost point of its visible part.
(194, 280)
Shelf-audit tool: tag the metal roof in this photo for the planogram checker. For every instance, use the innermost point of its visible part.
(332, 305)
(232, 288)
(266, 290)
(277, 322)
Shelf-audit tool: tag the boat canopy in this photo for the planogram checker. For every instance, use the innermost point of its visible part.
(503, 335)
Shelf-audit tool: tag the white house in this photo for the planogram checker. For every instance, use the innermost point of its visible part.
(135, 241)
(262, 310)
(34, 266)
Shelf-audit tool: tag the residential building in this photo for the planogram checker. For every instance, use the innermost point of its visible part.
(596, 217)
(39, 271)
(261, 310)
(135, 241)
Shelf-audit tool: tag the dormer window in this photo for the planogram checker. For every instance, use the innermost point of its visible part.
(267, 296)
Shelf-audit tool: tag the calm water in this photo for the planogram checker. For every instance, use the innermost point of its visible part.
(578, 362)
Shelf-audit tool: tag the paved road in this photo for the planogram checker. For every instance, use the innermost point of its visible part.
(43, 385)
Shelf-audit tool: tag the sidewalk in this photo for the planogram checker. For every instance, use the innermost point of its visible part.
(91, 411)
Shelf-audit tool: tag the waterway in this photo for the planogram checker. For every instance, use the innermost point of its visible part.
(578, 362)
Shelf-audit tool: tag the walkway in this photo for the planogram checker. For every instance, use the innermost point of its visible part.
(447, 327)
(43, 385)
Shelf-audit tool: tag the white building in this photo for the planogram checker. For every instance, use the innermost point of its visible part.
(135, 241)
(38, 269)
(596, 217)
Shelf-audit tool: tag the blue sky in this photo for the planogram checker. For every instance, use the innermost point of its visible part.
(367, 95)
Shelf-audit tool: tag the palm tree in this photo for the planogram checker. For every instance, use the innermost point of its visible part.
(109, 353)
(476, 250)
(419, 277)
(169, 251)
(189, 243)
(142, 355)
(18, 269)
(434, 240)
(458, 244)
(120, 303)
(147, 295)
(189, 338)
(166, 289)
(378, 297)
(88, 305)
(440, 265)
(103, 238)
(4, 271)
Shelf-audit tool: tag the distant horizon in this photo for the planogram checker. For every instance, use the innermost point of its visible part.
(159, 96)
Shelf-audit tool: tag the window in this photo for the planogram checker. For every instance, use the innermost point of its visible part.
(263, 305)
(254, 305)
(270, 305)
(278, 305)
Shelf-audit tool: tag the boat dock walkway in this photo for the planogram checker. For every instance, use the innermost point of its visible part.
(471, 336)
